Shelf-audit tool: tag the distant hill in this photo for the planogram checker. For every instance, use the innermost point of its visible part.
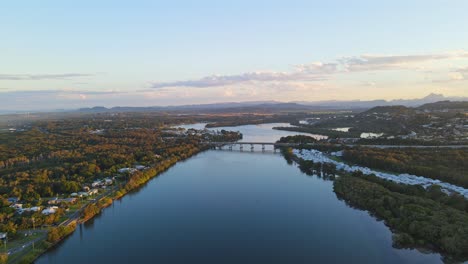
(94, 109)
(394, 109)
(445, 105)
(210, 108)
(431, 98)
(274, 106)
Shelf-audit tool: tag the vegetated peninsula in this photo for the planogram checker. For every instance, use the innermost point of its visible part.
(421, 212)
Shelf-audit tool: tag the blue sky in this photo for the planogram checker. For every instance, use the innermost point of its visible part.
(66, 54)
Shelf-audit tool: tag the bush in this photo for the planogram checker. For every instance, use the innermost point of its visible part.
(58, 233)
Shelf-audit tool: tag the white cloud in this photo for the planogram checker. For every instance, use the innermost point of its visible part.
(389, 62)
(36, 77)
(318, 71)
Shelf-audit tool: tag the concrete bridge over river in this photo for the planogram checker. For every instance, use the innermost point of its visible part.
(252, 145)
(241, 144)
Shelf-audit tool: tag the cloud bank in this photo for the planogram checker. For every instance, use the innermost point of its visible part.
(36, 77)
(318, 71)
(305, 73)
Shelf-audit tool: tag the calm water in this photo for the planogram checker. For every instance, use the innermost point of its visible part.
(233, 207)
(257, 133)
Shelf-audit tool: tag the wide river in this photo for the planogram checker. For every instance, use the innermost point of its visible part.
(233, 207)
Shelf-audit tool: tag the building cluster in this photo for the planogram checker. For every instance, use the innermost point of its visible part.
(454, 129)
(202, 133)
(444, 125)
(55, 203)
(100, 183)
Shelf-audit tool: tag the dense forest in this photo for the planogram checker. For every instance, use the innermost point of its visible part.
(420, 217)
(57, 158)
(417, 221)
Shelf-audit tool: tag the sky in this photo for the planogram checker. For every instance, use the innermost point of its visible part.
(71, 54)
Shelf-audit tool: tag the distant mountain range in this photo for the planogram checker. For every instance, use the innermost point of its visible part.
(267, 106)
(281, 106)
(431, 98)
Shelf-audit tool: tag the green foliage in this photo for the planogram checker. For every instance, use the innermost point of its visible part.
(55, 234)
(434, 192)
(417, 221)
(59, 157)
(9, 227)
(3, 258)
(301, 139)
(90, 211)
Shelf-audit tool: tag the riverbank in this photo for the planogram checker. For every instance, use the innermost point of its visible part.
(416, 209)
(91, 210)
(319, 131)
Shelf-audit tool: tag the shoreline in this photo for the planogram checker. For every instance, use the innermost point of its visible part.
(115, 195)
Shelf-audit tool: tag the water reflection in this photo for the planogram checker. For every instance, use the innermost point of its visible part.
(233, 207)
(256, 133)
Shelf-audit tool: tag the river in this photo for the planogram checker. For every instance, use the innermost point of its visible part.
(233, 207)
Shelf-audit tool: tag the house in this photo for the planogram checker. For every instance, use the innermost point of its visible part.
(35, 209)
(3, 236)
(68, 200)
(54, 201)
(96, 184)
(81, 194)
(124, 170)
(31, 209)
(108, 181)
(50, 210)
(93, 191)
(17, 206)
(13, 200)
(86, 188)
(140, 167)
(74, 195)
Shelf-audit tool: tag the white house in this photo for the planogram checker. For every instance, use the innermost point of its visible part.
(50, 210)
(32, 209)
(96, 184)
(108, 181)
(140, 167)
(124, 170)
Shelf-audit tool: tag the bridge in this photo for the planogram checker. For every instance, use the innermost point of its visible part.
(252, 145)
(276, 145)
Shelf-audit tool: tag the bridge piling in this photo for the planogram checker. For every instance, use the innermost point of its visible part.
(230, 145)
